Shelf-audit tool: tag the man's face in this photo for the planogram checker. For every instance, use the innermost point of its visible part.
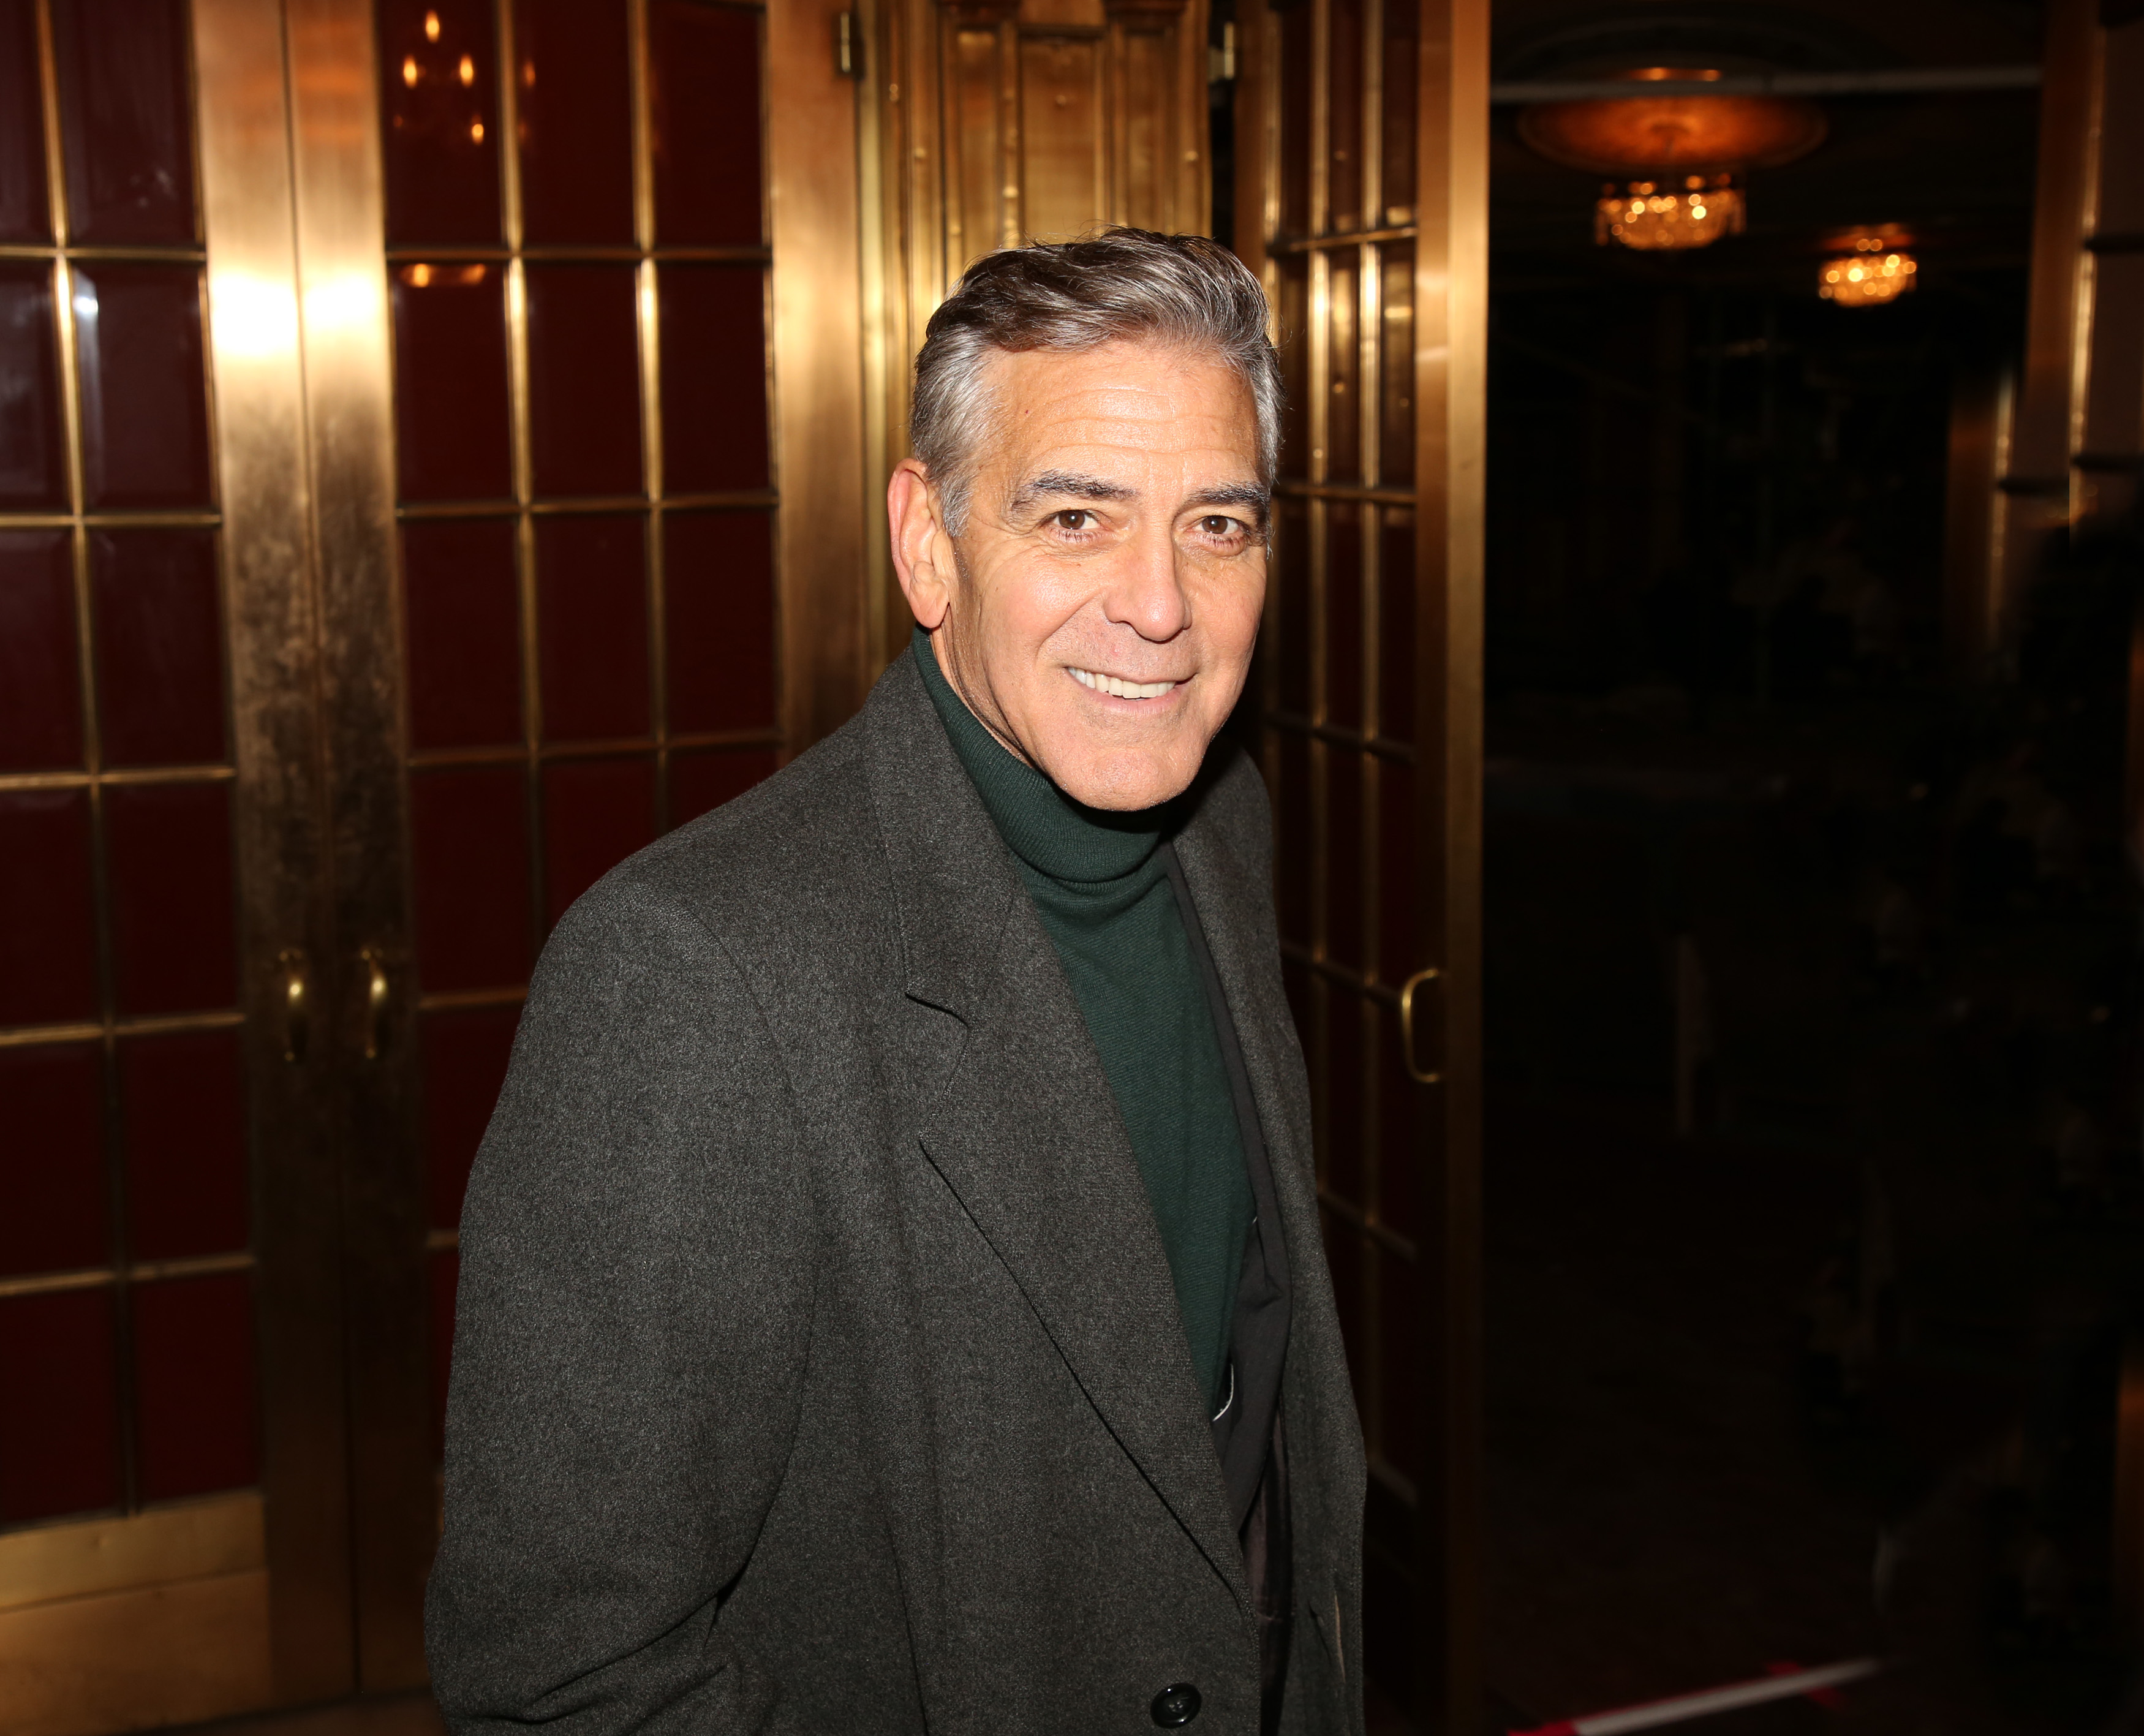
(1098, 609)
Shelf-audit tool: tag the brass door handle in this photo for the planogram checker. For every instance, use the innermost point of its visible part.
(1421, 1076)
(376, 1001)
(297, 1011)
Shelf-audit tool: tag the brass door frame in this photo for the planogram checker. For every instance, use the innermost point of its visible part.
(830, 510)
(244, 122)
(1448, 229)
(1450, 371)
(340, 233)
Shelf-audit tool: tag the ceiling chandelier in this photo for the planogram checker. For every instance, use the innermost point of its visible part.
(1651, 214)
(1877, 270)
(1677, 160)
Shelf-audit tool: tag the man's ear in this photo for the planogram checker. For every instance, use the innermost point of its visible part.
(922, 548)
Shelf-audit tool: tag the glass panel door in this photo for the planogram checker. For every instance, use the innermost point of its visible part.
(159, 1042)
(553, 630)
(1363, 134)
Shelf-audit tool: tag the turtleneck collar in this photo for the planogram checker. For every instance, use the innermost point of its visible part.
(1049, 832)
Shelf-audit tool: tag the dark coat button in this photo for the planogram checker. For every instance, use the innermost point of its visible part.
(1176, 1705)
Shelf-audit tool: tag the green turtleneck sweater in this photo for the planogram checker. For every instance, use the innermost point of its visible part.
(1104, 895)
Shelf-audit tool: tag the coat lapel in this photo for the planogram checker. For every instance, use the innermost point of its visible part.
(1235, 897)
(1022, 1126)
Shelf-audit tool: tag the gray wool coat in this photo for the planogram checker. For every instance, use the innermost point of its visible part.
(817, 1363)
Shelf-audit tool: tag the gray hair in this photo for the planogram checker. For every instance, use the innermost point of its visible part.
(1179, 289)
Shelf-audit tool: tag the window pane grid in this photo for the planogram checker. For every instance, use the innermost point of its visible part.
(1335, 737)
(585, 570)
(96, 1044)
(542, 749)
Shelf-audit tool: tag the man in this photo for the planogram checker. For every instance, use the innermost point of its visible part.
(890, 1291)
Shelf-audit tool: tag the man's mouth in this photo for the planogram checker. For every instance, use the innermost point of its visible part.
(1122, 689)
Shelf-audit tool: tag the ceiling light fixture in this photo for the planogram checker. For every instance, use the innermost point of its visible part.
(1677, 160)
(1652, 216)
(1877, 270)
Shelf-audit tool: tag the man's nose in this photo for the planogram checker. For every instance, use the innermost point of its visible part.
(1148, 595)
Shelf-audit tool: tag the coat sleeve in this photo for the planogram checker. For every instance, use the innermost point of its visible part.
(630, 1335)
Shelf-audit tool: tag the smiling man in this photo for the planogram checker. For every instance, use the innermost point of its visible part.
(892, 1298)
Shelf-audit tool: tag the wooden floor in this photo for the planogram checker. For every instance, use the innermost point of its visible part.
(399, 1715)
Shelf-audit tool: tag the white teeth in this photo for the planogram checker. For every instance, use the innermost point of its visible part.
(1122, 689)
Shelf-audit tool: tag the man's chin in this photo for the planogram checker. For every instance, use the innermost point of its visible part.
(1124, 783)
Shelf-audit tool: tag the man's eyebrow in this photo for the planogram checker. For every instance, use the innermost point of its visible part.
(1250, 495)
(1045, 483)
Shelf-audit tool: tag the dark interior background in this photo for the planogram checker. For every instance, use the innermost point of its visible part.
(1828, 1370)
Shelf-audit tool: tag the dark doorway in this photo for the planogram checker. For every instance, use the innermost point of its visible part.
(1815, 1223)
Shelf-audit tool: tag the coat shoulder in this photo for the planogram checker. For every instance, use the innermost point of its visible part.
(796, 861)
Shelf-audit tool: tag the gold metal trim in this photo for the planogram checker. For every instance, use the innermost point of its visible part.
(1366, 1223)
(814, 357)
(142, 1272)
(437, 758)
(185, 1540)
(164, 1024)
(376, 1539)
(580, 253)
(376, 989)
(1336, 243)
(259, 309)
(1344, 491)
(297, 1011)
(743, 499)
(138, 775)
(457, 1000)
(1421, 1075)
(145, 253)
(116, 520)
(163, 1655)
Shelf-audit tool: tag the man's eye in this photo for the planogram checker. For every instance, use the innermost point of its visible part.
(1214, 525)
(1075, 518)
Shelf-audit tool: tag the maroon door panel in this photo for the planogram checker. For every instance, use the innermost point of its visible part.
(58, 1360)
(469, 845)
(714, 377)
(592, 621)
(144, 441)
(583, 380)
(576, 132)
(159, 635)
(52, 1211)
(718, 569)
(462, 626)
(32, 467)
(193, 1379)
(183, 1099)
(706, 111)
(438, 77)
(454, 431)
(126, 118)
(22, 198)
(48, 909)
